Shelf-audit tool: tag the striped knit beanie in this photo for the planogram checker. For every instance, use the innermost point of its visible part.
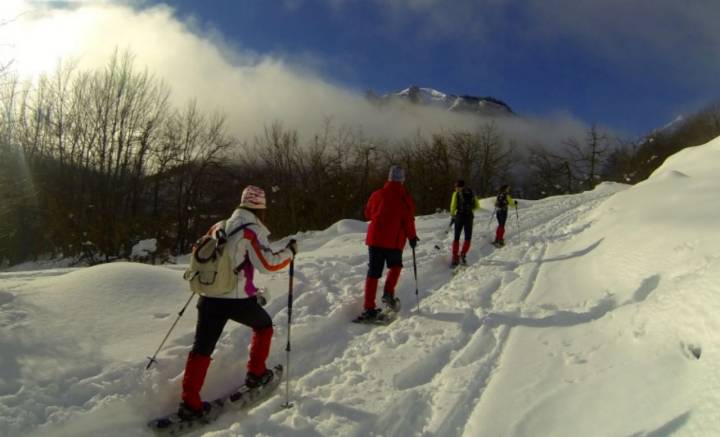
(253, 198)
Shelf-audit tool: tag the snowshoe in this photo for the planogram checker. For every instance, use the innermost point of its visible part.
(187, 413)
(391, 302)
(186, 419)
(368, 316)
(254, 381)
(376, 317)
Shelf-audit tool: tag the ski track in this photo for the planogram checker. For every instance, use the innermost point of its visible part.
(482, 353)
(458, 342)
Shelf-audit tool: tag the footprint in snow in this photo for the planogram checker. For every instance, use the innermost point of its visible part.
(692, 350)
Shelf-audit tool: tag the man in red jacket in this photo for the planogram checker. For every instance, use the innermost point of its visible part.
(391, 212)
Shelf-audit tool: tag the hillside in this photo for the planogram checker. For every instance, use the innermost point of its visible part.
(599, 318)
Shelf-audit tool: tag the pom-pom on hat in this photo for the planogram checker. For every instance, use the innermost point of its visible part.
(396, 174)
(253, 198)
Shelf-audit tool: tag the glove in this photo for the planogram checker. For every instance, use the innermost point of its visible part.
(414, 242)
(292, 245)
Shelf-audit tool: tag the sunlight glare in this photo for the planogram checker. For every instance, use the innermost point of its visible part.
(36, 37)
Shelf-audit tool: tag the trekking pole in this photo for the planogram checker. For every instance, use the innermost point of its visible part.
(287, 403)
(517, 216)
(491, 217)
(152, 359)
(417, 295)
(452, 222)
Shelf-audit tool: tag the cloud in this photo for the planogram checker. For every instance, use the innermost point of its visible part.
(252, 89)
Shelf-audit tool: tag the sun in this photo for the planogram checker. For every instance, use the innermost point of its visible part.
(35, 36)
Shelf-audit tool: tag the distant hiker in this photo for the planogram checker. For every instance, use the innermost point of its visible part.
(462, 205)
(391, 212)
(250, 250)
(502, 202)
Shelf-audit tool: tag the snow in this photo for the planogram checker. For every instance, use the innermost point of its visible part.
(589, 322)
(144, 248)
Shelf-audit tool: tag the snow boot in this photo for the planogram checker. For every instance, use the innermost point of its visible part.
(185, 412)
(369, 315)
(390, 301)
(254, 381)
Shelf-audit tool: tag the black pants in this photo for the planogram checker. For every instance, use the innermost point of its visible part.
(213, 314)
(379, 257)
(463, 222)
(502, 216)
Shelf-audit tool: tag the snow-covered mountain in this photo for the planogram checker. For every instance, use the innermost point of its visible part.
(667, 129)
(598, 319)
(487, 106)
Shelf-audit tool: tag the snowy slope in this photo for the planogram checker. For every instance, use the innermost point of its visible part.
(589, 322)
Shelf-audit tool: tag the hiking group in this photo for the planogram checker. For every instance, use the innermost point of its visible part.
(225, 260)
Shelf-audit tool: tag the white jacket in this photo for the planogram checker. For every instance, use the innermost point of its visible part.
(250, 249)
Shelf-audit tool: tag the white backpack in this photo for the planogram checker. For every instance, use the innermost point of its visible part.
(211, 272)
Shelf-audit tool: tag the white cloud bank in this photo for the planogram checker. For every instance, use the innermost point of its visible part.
(252, 89)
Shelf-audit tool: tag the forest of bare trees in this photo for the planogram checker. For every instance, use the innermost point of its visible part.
(91, 162)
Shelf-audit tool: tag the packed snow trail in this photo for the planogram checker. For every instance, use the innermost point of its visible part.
(456, 354)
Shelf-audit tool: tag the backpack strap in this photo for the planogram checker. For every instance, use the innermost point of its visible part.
(236, 270)
(239, 228)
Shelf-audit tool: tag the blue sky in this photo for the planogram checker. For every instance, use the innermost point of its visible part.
(629, 67)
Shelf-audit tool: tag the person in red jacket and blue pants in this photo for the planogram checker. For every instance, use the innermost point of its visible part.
(391, 212)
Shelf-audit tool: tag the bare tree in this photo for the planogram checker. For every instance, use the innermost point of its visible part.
(587, 158)
(550, 173)
(495, 162)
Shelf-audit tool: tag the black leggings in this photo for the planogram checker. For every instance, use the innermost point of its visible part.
(213, 314)
(379, 257)
(463, 222)
(502, 215)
